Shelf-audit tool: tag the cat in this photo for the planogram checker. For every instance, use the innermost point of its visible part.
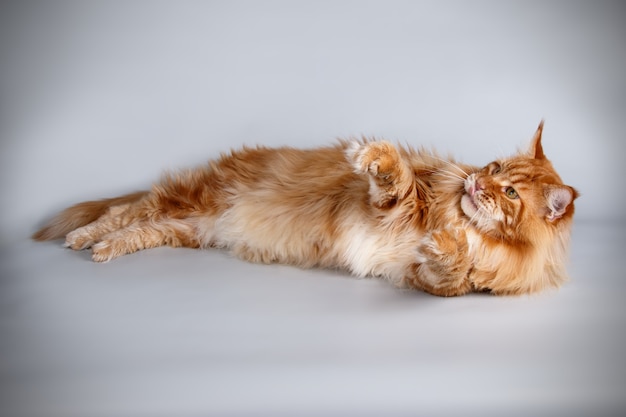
(362, 205)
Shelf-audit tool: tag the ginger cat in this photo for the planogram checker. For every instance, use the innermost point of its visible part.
(368, 207)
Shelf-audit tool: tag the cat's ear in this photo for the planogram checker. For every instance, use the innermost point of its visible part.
(536, 150)
(558, 199)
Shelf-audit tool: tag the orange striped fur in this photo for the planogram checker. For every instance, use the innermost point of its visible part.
(365, 206)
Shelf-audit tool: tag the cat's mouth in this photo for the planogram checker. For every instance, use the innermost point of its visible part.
(468, 205)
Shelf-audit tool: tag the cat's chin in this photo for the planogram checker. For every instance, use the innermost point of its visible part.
(468, 206)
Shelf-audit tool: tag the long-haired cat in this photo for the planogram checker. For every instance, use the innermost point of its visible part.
(365, 206)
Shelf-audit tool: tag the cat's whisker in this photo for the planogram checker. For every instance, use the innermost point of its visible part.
(479, 218)
(452, 164)
(451, 175)
(473, 218)
(445, 172)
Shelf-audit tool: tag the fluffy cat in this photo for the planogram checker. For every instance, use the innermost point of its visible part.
(365, 206)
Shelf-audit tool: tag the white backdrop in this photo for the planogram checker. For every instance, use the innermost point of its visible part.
(98, 98)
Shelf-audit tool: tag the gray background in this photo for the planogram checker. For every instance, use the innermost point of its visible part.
(98, 98)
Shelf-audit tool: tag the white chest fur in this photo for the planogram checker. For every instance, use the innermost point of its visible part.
(367, 250)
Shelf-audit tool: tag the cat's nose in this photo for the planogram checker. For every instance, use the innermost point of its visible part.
(475, 186)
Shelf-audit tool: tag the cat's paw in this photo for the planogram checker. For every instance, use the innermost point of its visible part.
(446, 247)
(379, 159)
(444, 263)
(106, 250)
(390, 177)
(78, 239)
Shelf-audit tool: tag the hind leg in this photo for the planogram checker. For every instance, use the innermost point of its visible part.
(390, 176)
(84, 237)
(144, 235)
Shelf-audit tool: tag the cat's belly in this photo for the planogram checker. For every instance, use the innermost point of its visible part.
(268, 234)
(369, 251)
(354, 244)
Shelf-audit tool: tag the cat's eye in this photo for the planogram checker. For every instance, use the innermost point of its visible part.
(511, 193)
(495, 168)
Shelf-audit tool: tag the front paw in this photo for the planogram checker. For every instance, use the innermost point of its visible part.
(445, 247)
(379, 159)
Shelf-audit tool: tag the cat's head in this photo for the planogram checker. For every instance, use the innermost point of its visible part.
(514, 198)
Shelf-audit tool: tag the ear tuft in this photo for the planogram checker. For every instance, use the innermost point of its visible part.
(558, 199)
(536, 150)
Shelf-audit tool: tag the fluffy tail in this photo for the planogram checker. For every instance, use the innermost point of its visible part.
(82, 214)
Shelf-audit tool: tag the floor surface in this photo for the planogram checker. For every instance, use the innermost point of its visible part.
(179, 332)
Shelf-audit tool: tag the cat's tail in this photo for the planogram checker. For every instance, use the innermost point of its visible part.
(82, 214)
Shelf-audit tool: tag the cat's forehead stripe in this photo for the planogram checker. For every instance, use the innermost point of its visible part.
(530, 171)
